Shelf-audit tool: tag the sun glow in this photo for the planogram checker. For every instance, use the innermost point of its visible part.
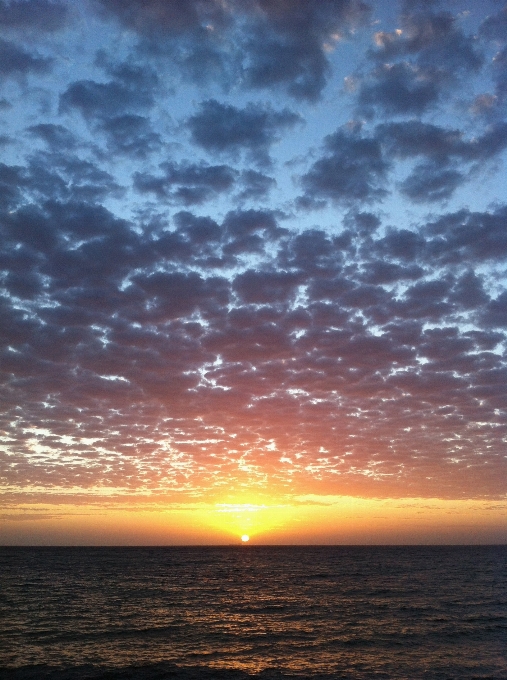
(251, 518)
(304, 519)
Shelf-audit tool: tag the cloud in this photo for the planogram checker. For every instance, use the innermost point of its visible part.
(446, 154)
(248, 231)
(131, 90)
(466, 236)
(454, 239)
(430, 182)
(414, 138)
(351, 169)
(400, 88)
(417, 63)
(364, 222)
(434, 37)
(131, 135)
(40, 15)
(285, 43)
(12, 179)
(256, 185)
(273, 44)
(187, 183)
(199, 229)
(174, 320)
(495, 313)
(222, 128)
(160, 17)
(378, 272)
(263, 286)
(494, 27)
(57, 137)
(241, 222)
(500, 74)
(15, 61)
(173, 295)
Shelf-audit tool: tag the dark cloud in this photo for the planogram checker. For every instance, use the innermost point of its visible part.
(61, 175)
(494, 27)
(131, 91)
(187, 183)
(221, 128)
(261, 287)
(164, 17)
(417, 63)
(446, 154)
(401, 244)
(56, 137)
(466, 236)
(315, 252)
(495, 313)
(364, 223)
(434, 37)
(285, 45)
(173, 295)
(400, 88)
(459, 238)
(469, 291)
(414, 138)
(161, 321)
(241, 222)
(500, 76)
(280, 45)
(256, 185)
(131, 135)
(16, 61)
(12, 179)
(378, 272)
(431, 182)
(41, 15)
(427, 300)
(247, 231)
(199, 229)
(25, 286)
(351, 169)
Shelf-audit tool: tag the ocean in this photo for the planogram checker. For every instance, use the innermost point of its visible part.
(250, 611)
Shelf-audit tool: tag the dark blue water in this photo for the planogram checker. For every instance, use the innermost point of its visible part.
(272, 612)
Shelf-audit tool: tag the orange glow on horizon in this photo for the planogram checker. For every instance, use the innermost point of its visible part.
(309, 519)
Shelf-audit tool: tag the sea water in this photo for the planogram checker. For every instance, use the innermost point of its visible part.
(241, 611)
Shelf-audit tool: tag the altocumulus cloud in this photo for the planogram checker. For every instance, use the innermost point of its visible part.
(220, 265)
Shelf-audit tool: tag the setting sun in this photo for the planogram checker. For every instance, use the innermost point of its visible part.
(245, 538)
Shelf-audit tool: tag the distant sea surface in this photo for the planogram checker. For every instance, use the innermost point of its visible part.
(251, 611)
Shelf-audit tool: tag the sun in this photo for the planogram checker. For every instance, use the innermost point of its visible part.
(245, 538)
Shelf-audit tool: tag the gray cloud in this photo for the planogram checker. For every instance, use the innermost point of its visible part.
(447, 155)
(131, 90)
(351, 169)
(131, 135)
(187, 183)
(15, 61)
(40, 15)
(221, 128)
(285, 44)
(150, 299)
(272, 44)
(417, 63)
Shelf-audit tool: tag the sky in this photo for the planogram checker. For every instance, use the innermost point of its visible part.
(253, 267)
